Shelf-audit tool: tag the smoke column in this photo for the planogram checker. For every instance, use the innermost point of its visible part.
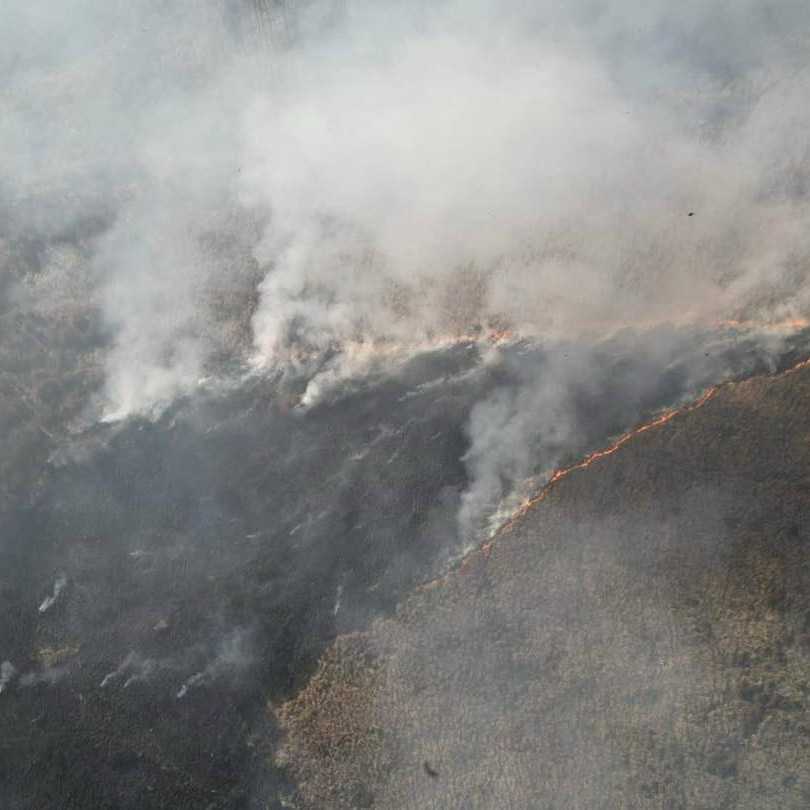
(393, 172)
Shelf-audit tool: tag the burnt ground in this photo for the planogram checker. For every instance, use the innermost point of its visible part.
(211, 557)
(640, 639)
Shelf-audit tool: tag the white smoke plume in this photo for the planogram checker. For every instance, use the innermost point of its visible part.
(133, 669)
(59, 586)
(482, 165)
(333, 187)
(47, 676)
(233, 656)
(7, 674)
(402, 171)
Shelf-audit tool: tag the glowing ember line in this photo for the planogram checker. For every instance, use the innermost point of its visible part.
(597, 455)
(380, 349)
(484, 551)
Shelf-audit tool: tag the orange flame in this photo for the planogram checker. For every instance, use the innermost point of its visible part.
(786, 325)
(485, 549)
(597, 455)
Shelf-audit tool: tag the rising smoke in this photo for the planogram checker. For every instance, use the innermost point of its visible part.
(306, 183)
(410, 257)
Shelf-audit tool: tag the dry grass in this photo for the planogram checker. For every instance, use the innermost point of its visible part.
(640, 640)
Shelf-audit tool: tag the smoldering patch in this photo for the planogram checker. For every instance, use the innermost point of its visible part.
(59, 585)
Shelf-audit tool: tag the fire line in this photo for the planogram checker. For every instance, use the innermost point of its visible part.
(590, 459)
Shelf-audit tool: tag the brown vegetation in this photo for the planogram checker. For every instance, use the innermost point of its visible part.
(641, 639)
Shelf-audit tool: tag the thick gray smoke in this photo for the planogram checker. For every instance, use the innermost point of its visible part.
(273, 183)
(530, 167)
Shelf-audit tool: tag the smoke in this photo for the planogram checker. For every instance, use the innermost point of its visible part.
(312, 190)
(134, 667)
(372, 172)
(557, 403)
(436, 171)
(334, 187)
(7, 674)
(117, 136)
(59, 585)
(233, 657)
(47, 675)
